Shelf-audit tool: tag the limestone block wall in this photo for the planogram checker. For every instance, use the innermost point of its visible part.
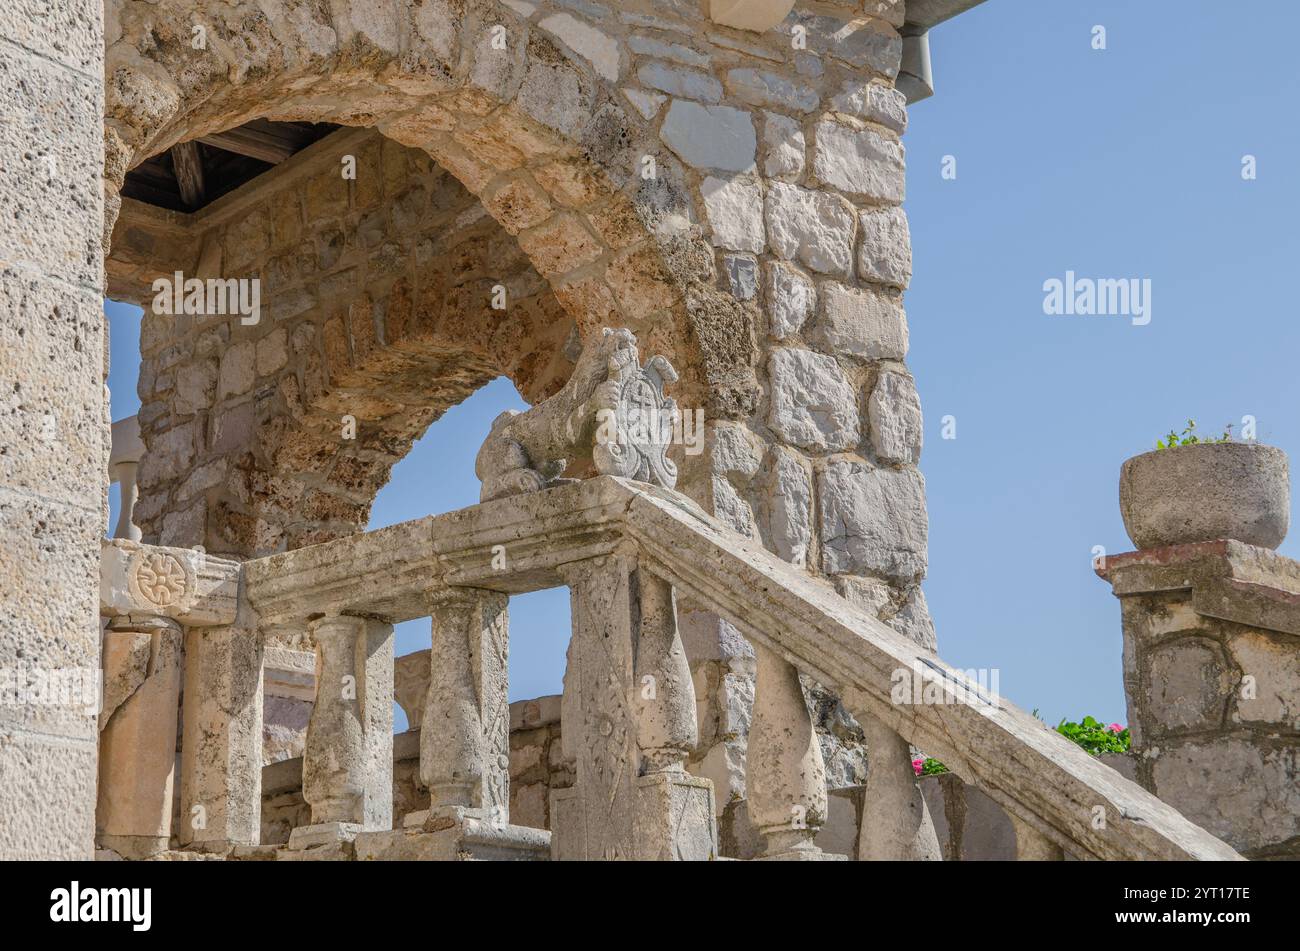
(53, 422)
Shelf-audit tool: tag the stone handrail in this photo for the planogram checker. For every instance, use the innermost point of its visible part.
(596, 535)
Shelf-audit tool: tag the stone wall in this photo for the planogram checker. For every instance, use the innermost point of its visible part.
(53, 420)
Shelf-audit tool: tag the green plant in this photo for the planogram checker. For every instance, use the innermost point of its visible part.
(1189, 437)
(1096, 737)
(928, 766)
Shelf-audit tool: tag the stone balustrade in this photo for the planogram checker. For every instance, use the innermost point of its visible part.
(627, 551)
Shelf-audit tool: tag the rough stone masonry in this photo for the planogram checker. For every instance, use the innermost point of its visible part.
(730, 196)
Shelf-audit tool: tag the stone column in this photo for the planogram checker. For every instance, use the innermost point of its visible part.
(465, 728)
(347, 763)
(1212, 675)
(632, 799)
(137, 746)
(896, 822)
(784, 772)
(54, 430)
(221, 743)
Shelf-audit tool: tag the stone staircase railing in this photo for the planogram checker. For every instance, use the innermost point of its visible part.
(625, 549)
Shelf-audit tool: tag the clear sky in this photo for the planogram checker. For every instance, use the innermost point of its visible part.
(1116, 163)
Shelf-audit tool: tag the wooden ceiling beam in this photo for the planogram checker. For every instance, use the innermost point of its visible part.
(188, 164)
(266, 141)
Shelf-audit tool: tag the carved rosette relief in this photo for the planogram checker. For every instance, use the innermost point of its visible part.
(158, 580)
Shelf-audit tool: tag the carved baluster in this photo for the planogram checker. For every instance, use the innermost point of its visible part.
(896, 824)
(594, 818)
(1032, 845)
(465, 729)
(347, 757)
(674, 811)
(785, 777)
(665, 710)
(628, 718)
(137, 744)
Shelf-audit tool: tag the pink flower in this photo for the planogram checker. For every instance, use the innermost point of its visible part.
(918, 765)
(1116, 728)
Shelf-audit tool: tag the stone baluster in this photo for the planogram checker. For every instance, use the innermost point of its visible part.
(785, 777)
(665, 694)
(124, 468)
(348, 755)
(896, 824)
(465, 728)
(137, 745)
(628, 719)
(1032, 845)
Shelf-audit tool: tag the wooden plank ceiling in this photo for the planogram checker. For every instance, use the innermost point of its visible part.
(197, 173)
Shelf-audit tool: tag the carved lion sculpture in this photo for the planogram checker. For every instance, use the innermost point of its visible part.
(612, 411)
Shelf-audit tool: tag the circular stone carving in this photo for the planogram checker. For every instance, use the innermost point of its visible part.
(159, 579)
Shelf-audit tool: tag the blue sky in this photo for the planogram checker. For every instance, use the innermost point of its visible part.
(1122, 163)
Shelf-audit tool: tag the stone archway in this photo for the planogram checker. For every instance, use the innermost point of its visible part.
(526, 126)
(766, 256)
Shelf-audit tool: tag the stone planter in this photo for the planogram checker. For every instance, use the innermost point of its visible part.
(1205, 492)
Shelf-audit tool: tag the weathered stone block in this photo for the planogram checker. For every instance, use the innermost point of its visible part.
(783, 144)
(873, 520)
(762, 88)
(859, 162)
(862, 322)
(735, 212)
(791, 297)
(885, 255)
(813, 228)
(894, 416)
(710, 136)
(813, 405)
(1189, 685)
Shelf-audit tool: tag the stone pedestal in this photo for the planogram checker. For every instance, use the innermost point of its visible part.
(456, 835)
(1212, 676)
(137, 747)
(221, 747)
